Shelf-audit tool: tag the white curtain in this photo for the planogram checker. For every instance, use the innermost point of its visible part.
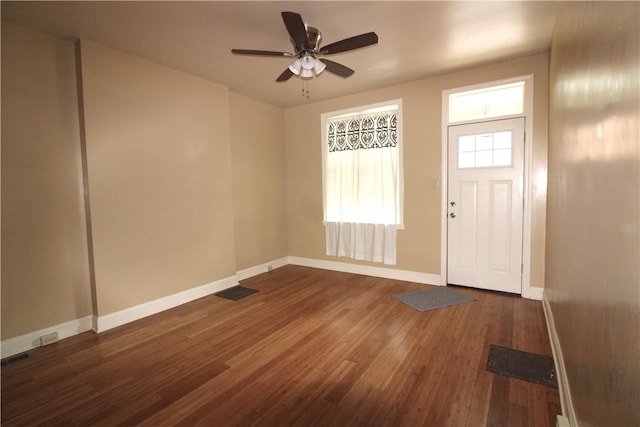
(370, 242)
(363, 188)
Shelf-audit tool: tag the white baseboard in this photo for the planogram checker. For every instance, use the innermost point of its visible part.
(22, 343)
(563, 381)
(112, 320)
(387, 273)
(99, 324)
(532, 292)
(262, 268)
(29, 341)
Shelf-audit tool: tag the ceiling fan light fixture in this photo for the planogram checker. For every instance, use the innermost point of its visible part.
(306, 73)
(308, 62)
(319, 66)
(295, 67)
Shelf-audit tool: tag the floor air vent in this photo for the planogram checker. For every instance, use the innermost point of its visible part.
(14, 359)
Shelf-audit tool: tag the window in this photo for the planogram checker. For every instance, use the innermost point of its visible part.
(488, 102)
(362, 167)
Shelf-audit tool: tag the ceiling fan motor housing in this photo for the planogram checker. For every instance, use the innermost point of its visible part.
(315, 38)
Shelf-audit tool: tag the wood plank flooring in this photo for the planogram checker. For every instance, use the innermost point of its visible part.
(311, 348)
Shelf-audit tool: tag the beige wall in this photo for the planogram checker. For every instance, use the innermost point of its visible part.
(419, 243)
(258, 169)
(593, 239)
(164, 176)
(159, 173)
(45, 275)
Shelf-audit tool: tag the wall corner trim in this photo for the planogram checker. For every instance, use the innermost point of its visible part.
(563, 381)
(386, 273)
(22, 343)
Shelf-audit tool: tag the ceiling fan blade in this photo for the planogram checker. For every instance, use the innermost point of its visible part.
(296, 29)
(355, 42)
(339, 69)
(286, 75)
(260, 52)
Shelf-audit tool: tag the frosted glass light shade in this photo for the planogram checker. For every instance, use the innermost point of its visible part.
(295, 67)
(307, 62)
(319, 66)
(306, 66)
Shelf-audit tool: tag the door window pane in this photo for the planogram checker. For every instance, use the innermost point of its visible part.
(467, 160)
(502, 140)
(484, 142)
(484, 159)
(467, 143)
(502, 157)
(485, 150)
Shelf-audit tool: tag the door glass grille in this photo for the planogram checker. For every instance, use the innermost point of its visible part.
(485, 150)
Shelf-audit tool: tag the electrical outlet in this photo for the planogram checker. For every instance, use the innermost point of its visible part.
(49, 338)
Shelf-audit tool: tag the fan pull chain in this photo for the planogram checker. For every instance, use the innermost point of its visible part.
(305, 88)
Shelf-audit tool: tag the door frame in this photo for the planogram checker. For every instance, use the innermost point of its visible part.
(528, 151)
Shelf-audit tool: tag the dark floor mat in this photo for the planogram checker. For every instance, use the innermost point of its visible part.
(530, 367)
(430, 299)
(236, 293)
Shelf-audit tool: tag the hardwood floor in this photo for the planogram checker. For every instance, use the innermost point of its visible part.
(312, 347)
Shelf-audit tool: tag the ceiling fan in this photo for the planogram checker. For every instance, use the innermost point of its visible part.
(306, 43)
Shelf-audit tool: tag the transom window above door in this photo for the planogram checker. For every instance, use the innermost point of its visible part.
(485, 103)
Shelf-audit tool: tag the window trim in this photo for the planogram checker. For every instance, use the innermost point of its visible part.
(364, 109)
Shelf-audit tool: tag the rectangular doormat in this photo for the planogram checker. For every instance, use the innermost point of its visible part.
(236, 293)
(530, 367)
(431, 299)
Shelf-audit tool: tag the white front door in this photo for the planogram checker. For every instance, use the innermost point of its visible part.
(485, 205)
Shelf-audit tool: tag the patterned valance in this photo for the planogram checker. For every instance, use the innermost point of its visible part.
(363, 132)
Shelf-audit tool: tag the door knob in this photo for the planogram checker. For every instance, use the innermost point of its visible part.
(452, 215)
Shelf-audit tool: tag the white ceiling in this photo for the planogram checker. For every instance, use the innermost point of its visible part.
(416, 38)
